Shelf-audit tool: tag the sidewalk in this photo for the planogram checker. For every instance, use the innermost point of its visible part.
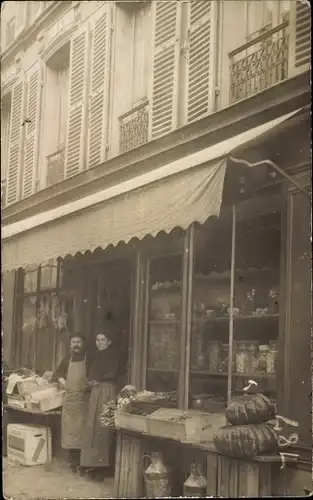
(51, 482)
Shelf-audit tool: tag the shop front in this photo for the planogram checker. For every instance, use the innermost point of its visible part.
(204, 266)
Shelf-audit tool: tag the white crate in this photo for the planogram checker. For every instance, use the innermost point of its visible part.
(29, 445)
(46, 404)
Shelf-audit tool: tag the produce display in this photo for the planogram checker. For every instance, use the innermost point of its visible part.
(138, 403)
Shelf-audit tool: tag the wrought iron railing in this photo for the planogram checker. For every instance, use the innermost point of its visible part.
(3, 192)
(55, 167)
(134, 128)
(260, 63)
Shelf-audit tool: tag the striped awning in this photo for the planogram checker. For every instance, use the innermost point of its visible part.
(175, 195)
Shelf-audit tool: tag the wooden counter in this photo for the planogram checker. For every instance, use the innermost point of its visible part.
(226, 477)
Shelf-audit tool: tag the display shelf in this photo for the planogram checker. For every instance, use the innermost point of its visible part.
(164, 370)
(240, 317)
(241, 375)
(163, 321)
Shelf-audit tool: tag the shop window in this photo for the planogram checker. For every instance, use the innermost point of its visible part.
(256, 314)
(45, 314)
(164, 323)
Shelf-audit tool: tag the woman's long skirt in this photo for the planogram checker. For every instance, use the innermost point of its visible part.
(98, 441)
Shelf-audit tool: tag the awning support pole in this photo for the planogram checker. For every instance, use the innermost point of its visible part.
(275, 167)
(231, 307)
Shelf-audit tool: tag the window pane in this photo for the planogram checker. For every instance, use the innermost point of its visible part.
(28, 332)
(46, 335)
(30, 279)
(48, 275)
(256, 297)
(164, 323)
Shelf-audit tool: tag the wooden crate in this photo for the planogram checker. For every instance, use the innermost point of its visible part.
(166, 423)
(131, 422)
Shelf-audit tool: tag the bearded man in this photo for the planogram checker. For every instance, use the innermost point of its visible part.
(72, 376)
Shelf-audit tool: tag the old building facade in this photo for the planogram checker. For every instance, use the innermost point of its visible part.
(97, 94)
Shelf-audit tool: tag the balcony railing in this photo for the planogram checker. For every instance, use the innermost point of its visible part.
(134, 128)
(55, 167)
(3, 192)
(260, 63)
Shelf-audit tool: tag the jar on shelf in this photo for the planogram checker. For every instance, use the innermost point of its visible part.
(273, 301)
(196, 484)
(223, 361)
(271, 359)
(213, 355)
(241, 358)
(251, 355)
(234, 353)
(263, 352)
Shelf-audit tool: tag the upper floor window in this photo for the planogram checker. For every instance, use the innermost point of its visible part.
(262, 15)
(5, 131)
(10, 31)
(56, 114)
(57, 91)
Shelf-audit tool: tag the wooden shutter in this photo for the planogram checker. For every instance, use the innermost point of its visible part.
(166, 51)
(15, 144)
(200, 64)
(75, 140)
(99, 86)
(31, 134)
(300, 37)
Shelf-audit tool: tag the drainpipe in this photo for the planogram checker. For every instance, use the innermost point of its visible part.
(112, 18)
(275, 167)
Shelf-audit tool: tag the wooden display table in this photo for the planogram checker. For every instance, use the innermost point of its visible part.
(226, 477)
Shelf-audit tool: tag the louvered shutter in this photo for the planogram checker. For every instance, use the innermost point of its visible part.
(200, 64)
(166, 52)
(75, 140)
(98, 97)
(15, 144)
(31, 134)
(300, 37)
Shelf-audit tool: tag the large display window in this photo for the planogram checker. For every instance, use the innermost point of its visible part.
(255, 308)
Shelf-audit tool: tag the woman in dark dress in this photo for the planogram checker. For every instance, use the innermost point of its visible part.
(98, 442)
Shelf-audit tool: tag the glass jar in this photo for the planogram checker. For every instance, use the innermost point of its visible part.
(251, 350)
(241, 358)
(263, 351)
(223, 361)
(271, 359)
(213, 356)
(235, 348)
(196, 483)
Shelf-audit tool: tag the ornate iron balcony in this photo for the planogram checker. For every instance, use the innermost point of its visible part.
(260, 63)
(55, 167)
(134, 128)
(3, 192)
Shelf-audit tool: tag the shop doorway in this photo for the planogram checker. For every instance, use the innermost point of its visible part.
(108, 293)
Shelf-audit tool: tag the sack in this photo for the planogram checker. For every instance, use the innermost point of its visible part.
(246, 440)
(250, 409)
